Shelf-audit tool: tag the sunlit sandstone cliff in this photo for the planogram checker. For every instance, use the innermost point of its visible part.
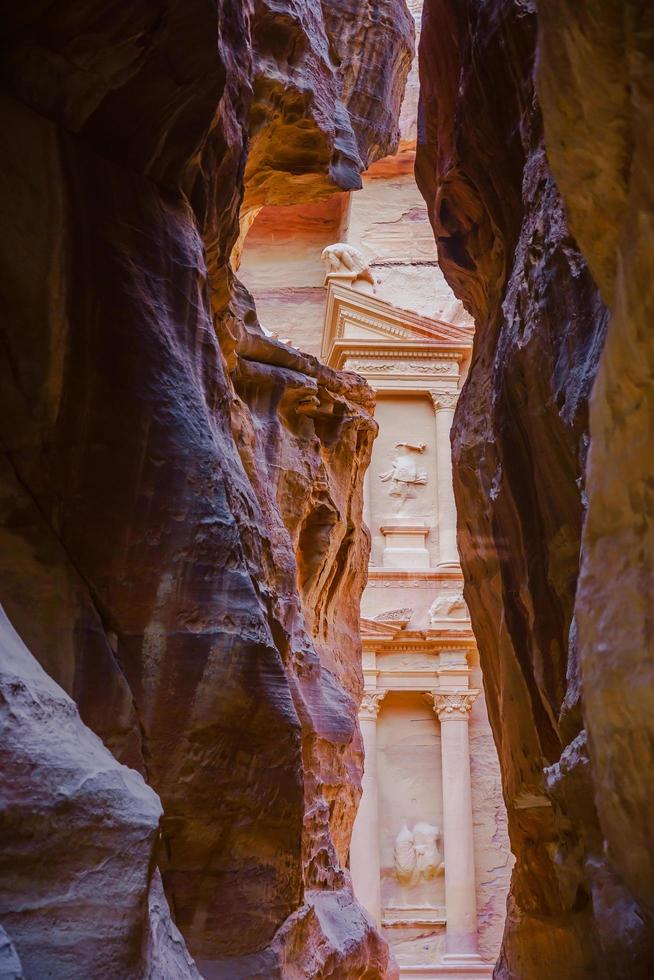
(181, 496)
(555, 532)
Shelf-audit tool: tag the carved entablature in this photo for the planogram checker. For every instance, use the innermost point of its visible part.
(371, 703)
(452, 704)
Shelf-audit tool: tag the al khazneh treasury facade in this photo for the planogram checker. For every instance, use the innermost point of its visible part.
(355, 281)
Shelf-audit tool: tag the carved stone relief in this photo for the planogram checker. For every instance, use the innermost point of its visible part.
(404, 474)
(343, 261)
(417, 854)
(449, 606)
(401, 616)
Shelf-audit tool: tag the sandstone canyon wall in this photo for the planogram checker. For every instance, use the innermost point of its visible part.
(181, 496)
(556, 537)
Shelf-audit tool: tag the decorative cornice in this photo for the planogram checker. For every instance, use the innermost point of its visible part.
(413, 348)
(409, 347)
(371, 703)
(381, 645)
(444, 399)
(427, 643)
(452, 704)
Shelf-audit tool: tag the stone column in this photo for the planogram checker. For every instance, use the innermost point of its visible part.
(364, 848)
(444, 405)
(453, 709)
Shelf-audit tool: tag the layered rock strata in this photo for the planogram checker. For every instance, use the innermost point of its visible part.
(181, 496)
(555, 541)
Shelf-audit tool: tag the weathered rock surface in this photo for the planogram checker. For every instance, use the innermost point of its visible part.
(556, 543)
(80, 895)
(328, 84)
(10, 965)
(181, 496)
(600, 139)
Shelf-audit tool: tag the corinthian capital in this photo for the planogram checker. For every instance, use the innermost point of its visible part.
(371, 704)
(444, 399)
(453, 704)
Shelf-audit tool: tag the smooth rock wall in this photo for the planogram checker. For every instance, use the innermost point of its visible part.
(182, 548)
(604, 173)
(555, 539)
(80, 894)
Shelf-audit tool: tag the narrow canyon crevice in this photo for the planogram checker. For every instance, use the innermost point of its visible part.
(536, 124)
(183, 546)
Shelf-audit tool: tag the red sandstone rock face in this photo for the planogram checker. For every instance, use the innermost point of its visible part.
(328, 83)
(181, 496)
(558, 673)
(79, 892)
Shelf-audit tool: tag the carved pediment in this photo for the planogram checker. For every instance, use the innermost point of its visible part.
(395, 617)
(353, 316)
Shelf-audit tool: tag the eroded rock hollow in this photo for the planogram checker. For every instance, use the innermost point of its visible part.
(552, 445)
(182, 545)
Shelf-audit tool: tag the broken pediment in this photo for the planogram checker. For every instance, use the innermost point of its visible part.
(352, 317)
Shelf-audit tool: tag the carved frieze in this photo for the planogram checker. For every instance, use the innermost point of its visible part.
(425, 367)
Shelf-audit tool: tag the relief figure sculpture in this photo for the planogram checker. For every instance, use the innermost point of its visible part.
(450, 605)
(417, 854)
(345, 262)
(404, 473)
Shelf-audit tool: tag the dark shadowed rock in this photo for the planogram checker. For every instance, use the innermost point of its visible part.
(182, 543)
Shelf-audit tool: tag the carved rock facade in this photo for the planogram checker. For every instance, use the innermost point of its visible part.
(564, 647)
(180, 494)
